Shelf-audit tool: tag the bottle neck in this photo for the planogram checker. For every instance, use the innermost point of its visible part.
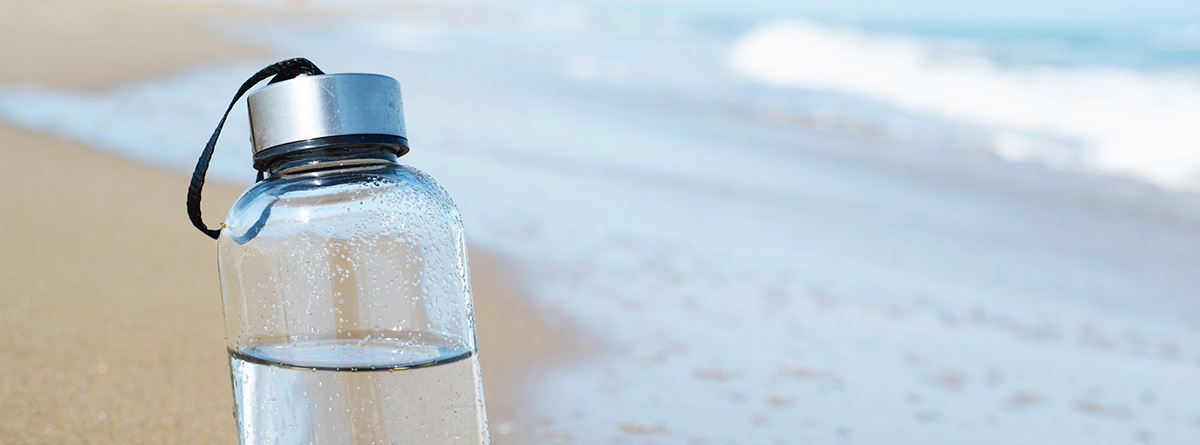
(333, 158)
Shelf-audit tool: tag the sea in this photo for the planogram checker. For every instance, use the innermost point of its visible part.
(909, 222)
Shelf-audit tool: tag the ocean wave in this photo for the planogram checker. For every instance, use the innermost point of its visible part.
(1121, 121)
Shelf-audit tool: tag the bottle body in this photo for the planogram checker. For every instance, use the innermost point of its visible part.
(348, 306)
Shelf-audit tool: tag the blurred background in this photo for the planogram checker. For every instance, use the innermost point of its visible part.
(753, 221)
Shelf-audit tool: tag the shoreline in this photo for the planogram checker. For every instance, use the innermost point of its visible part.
(114, 310)
(749, 280)
(112, 307)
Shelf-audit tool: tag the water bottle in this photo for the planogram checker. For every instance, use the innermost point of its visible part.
(343, 274)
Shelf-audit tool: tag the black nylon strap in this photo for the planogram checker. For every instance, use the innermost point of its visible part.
(283, 70)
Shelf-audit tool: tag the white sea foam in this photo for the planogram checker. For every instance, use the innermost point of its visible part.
(1138, 124)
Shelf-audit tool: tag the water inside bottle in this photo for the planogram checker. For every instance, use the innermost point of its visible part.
(335, 391)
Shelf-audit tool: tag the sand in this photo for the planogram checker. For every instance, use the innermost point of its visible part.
(92, 45)
(111, 327)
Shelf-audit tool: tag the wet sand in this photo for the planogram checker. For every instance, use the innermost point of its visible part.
(110, 314)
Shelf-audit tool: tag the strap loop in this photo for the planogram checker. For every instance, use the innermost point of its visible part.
(283, 70)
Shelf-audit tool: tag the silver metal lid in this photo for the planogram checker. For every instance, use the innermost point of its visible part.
(300, 113)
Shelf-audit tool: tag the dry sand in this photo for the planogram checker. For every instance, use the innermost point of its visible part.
(94, 44)
(111, 328)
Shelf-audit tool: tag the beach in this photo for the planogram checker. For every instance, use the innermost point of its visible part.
(113, 317)
(672, 239)
(111, 320)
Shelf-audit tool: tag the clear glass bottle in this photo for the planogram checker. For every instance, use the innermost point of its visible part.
(347, 298)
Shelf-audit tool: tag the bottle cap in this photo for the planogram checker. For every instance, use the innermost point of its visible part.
(326, 111)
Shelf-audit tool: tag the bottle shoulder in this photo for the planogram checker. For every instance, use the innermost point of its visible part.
(369, 198)
(377, 179)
